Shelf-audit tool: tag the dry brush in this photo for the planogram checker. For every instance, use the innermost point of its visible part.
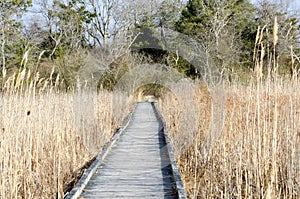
(256, 154)
(42, 147)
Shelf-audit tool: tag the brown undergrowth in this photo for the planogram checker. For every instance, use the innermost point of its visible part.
(42, 147)
(255, 153)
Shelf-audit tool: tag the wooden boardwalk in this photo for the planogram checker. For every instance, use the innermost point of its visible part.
(137, 165)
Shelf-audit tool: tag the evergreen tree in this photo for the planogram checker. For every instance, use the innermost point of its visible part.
(225, 29)
(11, 39)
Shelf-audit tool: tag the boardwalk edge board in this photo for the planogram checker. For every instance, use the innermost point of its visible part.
(80, 185)
(175, 170)
(87, 176)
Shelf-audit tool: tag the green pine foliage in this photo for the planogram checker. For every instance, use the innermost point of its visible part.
(226, 30)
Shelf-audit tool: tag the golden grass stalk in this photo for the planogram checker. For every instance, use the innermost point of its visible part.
(259, 48)
(41, 147)
(257, 154)
(275, 41)
(275, 32)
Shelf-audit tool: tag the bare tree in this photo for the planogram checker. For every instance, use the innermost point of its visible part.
(102, 26)
(10, 11)
(287, 21)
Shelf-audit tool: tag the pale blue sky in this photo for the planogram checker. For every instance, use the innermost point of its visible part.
(295, 5)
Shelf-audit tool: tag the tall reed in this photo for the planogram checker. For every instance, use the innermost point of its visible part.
(257, 154)
(42, 146)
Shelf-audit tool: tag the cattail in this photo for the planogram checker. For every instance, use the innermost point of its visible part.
(275, 31)
(261, 35)
(22, 74)
(36, 76)
(262, 55)
(25, 58)
(4, 72)
(45, 85)
(294, 72)
(40, 56)
(28, 75)
(20, 78)
(57, 81)
(259, 61)
(275, 40)
(257, 35)
(256, 40)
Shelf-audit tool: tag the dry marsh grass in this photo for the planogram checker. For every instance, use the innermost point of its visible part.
(42, 147)
(250, 133)
(256, 154)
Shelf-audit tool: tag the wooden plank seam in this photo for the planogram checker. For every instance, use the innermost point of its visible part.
(80, 185)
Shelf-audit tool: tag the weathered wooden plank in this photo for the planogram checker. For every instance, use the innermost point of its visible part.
(138, 165)
(177, 178)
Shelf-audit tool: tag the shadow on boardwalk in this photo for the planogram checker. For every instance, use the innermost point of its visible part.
(138, 165)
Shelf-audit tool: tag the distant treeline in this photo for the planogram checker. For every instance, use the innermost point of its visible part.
(239, 38)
